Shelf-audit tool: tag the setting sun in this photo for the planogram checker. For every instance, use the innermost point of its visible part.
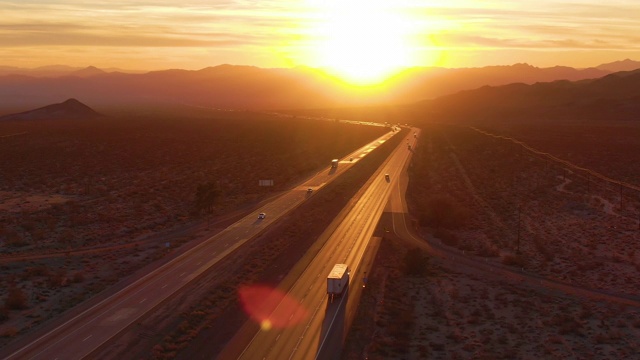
(361, 41)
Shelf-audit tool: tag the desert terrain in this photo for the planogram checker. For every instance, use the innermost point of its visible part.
(546, 200)
(86, 204)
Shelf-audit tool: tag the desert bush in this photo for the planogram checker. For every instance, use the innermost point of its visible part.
(10, 332)
(513, 260)
(442, 211)
(540, 245)
(447, 237)
(416, 262)
(57, 279)
(4, 314)
(16, 299)
(487, 250)
(35, 271)
(15, 239)
(78, 277)
(205, 198)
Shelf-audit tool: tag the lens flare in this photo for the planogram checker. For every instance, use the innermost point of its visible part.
(271, 308)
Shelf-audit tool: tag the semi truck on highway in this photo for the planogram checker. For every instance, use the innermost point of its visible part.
(334, 163)
(337, 280)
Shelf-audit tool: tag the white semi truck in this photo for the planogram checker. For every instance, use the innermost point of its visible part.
(337, 280)
(334, 163)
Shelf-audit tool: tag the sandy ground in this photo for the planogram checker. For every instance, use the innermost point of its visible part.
(542, 220)
(450, 314)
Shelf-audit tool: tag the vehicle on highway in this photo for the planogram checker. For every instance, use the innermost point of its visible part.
(337, 280)
(262, 215)
(334, 163)
(309, 190)
(386, 177)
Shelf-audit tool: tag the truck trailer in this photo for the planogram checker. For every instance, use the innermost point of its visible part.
(334, 163)
(337, 280)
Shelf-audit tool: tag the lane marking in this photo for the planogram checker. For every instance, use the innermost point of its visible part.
(87, 338)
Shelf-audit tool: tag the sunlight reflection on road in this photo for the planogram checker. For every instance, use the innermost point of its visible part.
(270, 307)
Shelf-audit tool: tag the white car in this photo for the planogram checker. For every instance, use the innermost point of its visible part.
(309, 190)
(262, 215)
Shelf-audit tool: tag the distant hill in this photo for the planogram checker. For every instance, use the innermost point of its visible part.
(425, 83)
(70, 109)
(615, 96)
(88, 72)
(624, 65)
(57, 70)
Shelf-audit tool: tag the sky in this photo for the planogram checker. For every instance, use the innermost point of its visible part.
(354, 38)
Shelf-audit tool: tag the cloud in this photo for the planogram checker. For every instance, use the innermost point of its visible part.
(206, 24)
(278, 29)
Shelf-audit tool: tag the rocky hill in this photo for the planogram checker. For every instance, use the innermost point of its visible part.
(70, 109)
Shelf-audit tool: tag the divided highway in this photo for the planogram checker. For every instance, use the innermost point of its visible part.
(315, 337)
(80, 336)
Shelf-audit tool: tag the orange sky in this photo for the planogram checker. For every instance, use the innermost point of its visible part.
(353, 38)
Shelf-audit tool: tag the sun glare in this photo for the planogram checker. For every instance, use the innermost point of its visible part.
(361, 41)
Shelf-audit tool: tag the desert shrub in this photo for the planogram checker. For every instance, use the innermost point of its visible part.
(16, 299)
(206, 196)
(15, 239)
(447, 237)
(78, 277)
(57, 279)
(4, 314)
(487, 250)
(513, 260)
(35, 271)
(415, 262)
(10, 332)
(542, 248)
(442, 211)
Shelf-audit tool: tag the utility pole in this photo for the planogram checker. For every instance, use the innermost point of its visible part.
(518, 239)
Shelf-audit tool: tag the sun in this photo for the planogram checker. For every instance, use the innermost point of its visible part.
(361, 41)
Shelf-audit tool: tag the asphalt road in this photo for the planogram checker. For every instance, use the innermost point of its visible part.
(309, 325)
(81, 335)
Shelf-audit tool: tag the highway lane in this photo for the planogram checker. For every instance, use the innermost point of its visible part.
(82, 334)
(347, 244)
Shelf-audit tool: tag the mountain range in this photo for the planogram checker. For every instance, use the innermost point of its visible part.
(248, 87)
(614, 96)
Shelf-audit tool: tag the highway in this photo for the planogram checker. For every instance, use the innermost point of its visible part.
(81, 335)
(324, 324)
